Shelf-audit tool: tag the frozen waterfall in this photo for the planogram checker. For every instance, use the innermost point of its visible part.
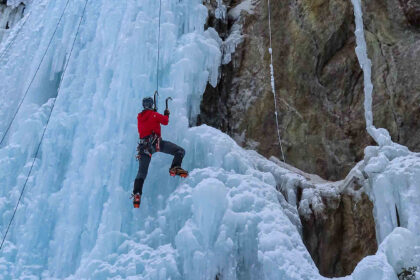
(76, 221)
(381, 135)
(393, 185)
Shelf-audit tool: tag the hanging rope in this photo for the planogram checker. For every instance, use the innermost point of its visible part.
(33, 78)
(46, 125)
(158, 49)
(273, 89)
(14, 38)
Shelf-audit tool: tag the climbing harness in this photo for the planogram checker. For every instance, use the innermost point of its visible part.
(148, 145)
(48, 120)
(270, 50)
(33, 78)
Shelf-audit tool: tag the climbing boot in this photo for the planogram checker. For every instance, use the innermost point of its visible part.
(176, 170)
(136, 200)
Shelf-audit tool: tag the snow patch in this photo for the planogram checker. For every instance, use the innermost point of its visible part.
(235, 33)
(247, 6)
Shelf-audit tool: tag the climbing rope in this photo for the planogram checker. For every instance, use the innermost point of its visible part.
(270, 50)
(158, 49)
(46, 125)
(33, 78)
(14, 38)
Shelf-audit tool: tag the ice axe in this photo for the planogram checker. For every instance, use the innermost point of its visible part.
(166, 101)
(154, 101)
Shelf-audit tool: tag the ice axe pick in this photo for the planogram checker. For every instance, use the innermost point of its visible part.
(166, 101)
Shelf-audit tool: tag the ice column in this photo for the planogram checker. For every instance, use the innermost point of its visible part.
(381, 136)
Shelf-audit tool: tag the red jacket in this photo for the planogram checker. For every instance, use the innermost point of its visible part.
(149, 121)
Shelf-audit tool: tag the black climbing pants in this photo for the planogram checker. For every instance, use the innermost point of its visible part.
(144, 161)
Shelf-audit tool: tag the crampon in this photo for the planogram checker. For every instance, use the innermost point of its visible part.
(136, 200)
(178, 171)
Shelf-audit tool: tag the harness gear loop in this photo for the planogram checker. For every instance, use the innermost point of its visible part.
(148, 145)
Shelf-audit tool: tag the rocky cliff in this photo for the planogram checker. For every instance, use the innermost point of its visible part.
(342, 234)
(336, 218)
(319, 82)
(320, 97)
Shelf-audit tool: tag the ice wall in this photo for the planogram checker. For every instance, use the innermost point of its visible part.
(76, 220)
(393, 179)
(10, 15)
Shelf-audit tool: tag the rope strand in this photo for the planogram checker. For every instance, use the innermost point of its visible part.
(273, 84)
(45, 128)
(158, 49)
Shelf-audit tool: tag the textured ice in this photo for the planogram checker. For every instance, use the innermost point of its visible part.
(393, 179)
(394, 175)
(10, 15)
(76, 220)
(221, 10)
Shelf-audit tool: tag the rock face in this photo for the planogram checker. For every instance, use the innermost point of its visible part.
(412, 11)
(341, 235)
(335, 218)
(394, 43)
(318, 80)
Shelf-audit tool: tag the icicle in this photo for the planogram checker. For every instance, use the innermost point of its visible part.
(381, 135)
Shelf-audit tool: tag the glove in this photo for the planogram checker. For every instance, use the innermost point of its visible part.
(166, 113)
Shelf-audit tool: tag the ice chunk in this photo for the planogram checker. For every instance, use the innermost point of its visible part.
(374, 267)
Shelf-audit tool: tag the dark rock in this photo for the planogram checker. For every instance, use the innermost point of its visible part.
(412, 11)
(319, 81)
(341, 236)
(336, 218)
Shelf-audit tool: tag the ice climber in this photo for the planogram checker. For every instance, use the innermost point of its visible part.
(148, 123)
